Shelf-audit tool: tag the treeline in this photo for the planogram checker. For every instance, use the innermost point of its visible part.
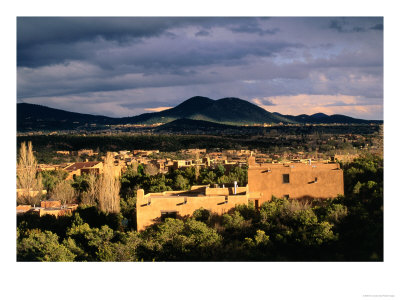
(348, 228)
(310, 138)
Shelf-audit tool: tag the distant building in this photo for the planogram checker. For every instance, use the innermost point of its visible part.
(144, 152)
(44, 167)
(63, 152)
(80, 168)
(193, 151)
(21, 209)
(88, 152)
(48, 207)
(182, 164)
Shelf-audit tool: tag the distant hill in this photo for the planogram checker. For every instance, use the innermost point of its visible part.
(231, 111)
(320, 118)
(228, 111)
(38, 117)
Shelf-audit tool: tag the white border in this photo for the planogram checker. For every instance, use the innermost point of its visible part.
(198, 280)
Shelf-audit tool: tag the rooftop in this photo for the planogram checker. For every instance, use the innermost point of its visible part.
(81, 165)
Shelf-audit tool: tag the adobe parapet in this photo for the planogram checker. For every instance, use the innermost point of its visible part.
(153, 207)
(297, 165)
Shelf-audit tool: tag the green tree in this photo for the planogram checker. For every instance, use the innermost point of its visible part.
(181, 183)
(51, 178)
(42, 246)
(220, 170)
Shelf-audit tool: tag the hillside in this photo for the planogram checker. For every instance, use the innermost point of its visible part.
(320, 118)
(38, 117)
(228, 111)
(195, 126)
(231, 111)
(237, 112)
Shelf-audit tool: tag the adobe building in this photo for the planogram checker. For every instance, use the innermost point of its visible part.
(80, 168)
(57, 211)
(309, 180)
(312, 180)
(48, 207)
(154, 207)
(88, 152)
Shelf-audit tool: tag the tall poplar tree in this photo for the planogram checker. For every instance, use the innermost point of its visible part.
(27, 179)
(109, 187)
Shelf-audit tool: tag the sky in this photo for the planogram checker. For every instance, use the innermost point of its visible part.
(125, 66)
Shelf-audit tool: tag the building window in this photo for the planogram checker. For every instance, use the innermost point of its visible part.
(286, 197)
(285, 178)
(168, 214)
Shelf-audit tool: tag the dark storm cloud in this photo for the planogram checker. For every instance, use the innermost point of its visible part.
(348, 25)
(253, 27)
(342, 27)
(377, 27)
(121, 66)
(34, 30)
(202, 33)
(39, 38)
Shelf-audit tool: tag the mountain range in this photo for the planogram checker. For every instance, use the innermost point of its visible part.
(227, 111)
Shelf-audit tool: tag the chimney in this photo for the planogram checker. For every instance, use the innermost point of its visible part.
(235, 186)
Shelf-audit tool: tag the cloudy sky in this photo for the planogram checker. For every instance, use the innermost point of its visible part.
(127, 66)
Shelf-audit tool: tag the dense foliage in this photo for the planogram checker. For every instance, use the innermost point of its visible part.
(346, 228)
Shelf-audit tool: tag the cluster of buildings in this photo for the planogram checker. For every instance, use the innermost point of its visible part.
(295, 180)
(155, 162)
(292, 176)
(48, 207)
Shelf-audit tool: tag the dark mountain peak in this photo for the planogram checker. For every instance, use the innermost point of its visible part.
(188, 107)
(230, 99)
(198, 98)
(195, 101)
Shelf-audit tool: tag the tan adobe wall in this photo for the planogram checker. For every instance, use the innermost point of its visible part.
(267, 179)
(58, 212)
(225, 191)
(23, 208)
(71, 174)
(47, 204)
(150, 206)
